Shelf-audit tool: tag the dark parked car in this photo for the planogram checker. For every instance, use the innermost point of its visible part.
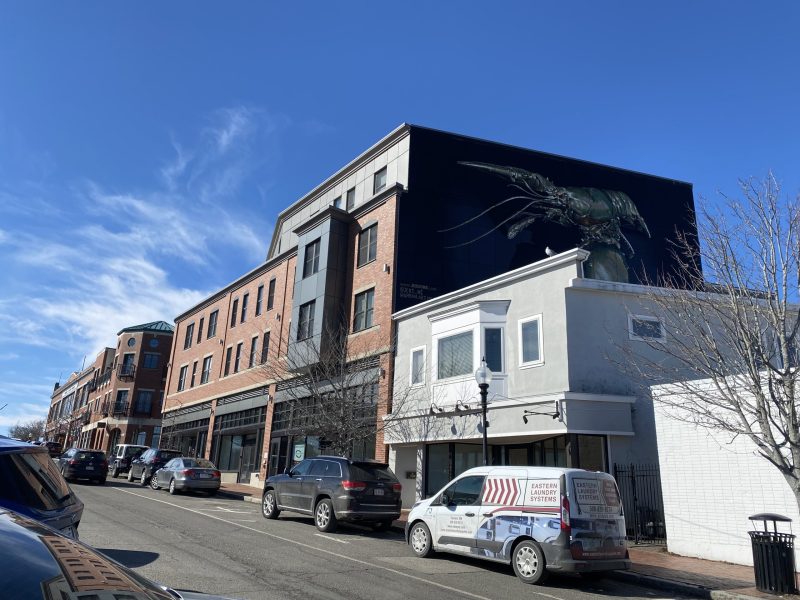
(121, 457)
(335, 489)
(54, 448)
(79, 463)
(143, 467)
(38, 562)
(31, 484)
(186, 474)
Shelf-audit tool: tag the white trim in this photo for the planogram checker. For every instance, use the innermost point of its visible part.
(651, 319)
(574, 255)
(521, 363)
(411, 367)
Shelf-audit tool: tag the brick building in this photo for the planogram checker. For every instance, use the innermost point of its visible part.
(418, 215)
(118, 398)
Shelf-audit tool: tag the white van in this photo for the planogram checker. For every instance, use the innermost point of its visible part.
(539, 519)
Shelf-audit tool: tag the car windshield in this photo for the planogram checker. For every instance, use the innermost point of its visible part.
(371, 472)
(88, 455)
(198, 463)
(32, 479)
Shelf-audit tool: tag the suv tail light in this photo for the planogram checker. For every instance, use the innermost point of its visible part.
(188, 472)
(565, 526)
(354, 486)
(397, 487)
(72, 461)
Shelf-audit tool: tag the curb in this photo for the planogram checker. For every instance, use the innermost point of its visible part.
(237, 496)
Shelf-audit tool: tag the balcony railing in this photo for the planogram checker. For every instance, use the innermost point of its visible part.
(120, 408)
(126, 371)
(87, 417)
(92, 385)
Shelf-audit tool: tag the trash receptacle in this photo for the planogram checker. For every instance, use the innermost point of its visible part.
(773, 556)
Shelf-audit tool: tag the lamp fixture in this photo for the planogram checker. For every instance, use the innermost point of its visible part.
(434, 409)
(554, 415)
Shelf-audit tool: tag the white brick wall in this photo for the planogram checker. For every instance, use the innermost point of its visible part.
(711, 485)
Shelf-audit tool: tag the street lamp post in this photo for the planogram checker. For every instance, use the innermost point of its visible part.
(483, 376)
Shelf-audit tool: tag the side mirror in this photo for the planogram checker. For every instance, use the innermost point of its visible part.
(286, 471)
(445, 500)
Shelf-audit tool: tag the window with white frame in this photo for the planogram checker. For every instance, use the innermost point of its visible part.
(454, 355)
(645, 328)
(417, 366)
(493, 348)
(530, 341)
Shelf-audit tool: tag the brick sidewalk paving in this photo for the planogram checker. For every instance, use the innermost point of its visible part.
(650, 565)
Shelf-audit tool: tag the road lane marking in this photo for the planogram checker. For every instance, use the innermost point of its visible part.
(331, 553)
(327, 537)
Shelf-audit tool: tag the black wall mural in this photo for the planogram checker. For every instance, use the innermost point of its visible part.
(476, 209)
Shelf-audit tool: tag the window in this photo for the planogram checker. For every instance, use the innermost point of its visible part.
(644, 328)
(194, 373)
(151, 360)
(253, 349)
(337, 202)
(530, 341)
(265, 348)
(259, 299)
(245, 298)
(156, 436)
(200, 330)
(455, 355)
(206, 370)
(228, 360)
(351, 198)
(271, 294)
(212, 324)
(379, 182)
(144, 402)
(305, 324)
(234, 312)
(187, 341)
(466, 491)
(417, 366)
(311, 264)
(493, 348)
(182, 378)
(362, 319)
(367, 245)
(238, 357)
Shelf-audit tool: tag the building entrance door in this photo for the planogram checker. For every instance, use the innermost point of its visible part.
(249, 457)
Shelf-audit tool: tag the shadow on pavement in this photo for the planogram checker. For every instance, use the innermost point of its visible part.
(130, 558)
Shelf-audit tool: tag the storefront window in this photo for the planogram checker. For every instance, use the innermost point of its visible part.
(592, 452)
(467, 456)
(438, 468)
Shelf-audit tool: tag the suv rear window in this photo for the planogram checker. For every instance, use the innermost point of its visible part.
(90, 455)
(31, 479)
(370, 472)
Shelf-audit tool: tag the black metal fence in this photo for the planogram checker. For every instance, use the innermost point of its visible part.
(640, 488)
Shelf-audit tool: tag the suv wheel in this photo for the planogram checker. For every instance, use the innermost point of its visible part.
(419, 538)
(143, 479)
(130, 475)
(324, 518)
(269, 505)
(115, 470)
(528, 561)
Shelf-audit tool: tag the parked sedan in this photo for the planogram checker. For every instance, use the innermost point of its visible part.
(143, 467)
(79, 463)
(187, 474)
(38, 562)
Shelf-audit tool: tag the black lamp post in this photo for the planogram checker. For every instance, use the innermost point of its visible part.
(484, 377)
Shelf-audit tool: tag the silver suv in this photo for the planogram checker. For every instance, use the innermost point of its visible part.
(119, 461)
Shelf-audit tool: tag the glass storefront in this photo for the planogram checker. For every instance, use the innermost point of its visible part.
(237, 441)
(446, 461)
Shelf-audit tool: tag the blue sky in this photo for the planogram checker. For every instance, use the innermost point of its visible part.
(147, 147)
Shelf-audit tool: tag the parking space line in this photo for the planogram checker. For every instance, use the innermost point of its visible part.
(329, 552)
(327, 537)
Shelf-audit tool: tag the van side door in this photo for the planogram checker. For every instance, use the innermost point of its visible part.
(458, 514)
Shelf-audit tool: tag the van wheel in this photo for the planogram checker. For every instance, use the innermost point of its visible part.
(115, 471)
(269, 506)
(528, 562)
(324, 518)
(419, 538)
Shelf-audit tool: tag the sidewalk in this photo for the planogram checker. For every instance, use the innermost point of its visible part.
(652, 566)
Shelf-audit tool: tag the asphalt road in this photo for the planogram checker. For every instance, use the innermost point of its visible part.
(225, 546)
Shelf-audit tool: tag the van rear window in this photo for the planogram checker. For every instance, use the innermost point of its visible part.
(31, 479)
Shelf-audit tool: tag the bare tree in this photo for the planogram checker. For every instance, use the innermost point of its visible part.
(731, 327)
(29, 430)
(331, 385)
